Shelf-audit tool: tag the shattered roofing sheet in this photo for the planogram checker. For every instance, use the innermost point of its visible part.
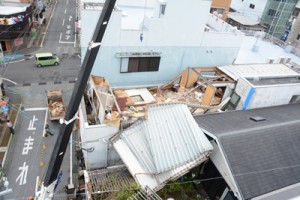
(170, 137)
(166, 144)
(152, 180)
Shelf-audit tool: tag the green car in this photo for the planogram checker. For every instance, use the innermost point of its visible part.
(44, 59)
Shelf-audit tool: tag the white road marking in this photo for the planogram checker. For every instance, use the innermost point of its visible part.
(67, 2)
(31, 123)
(46, 119)
(36, 185)
(27, 145)
(71, 159)
(70, 18)
(63, 22)
(75, 36)
(35, 109)
(65, 11)
(23, 175)
(62, 42)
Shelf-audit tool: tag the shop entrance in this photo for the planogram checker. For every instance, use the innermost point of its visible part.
(3, 45)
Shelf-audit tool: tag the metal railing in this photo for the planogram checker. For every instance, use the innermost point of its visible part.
(145, 194)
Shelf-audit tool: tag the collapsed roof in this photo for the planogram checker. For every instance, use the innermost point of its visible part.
(162, 147)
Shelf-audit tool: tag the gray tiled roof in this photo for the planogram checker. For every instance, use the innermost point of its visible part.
(263, 156)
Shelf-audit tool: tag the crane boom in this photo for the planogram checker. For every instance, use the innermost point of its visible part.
(65, 129)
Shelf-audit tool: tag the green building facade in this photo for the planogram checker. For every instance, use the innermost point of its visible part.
(276, 16)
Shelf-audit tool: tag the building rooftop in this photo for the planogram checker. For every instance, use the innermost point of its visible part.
(257, 70)
(133, 15)
(265, 51)
(134, 12)
(274, 81)
(262, 154)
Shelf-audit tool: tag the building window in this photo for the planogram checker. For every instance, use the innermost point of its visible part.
(252, 6)
(271, 12)
(233, 102)
(140, 64)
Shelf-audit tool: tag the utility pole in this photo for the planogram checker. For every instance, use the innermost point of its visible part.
(65, 130)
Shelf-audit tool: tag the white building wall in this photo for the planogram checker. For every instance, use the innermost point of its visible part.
(264, 96)
(243, 7)
(242, 89)
(180, 39)
(96, 137)
(219, 161)
(274, 95)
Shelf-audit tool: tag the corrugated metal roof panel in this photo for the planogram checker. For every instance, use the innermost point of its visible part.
(135, 138)
(152, 180)
(164, 146)
(257, 70)
(174, 137)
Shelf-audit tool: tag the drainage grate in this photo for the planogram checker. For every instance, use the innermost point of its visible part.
(57, 82)
(26, 84)
(72, 81)
(43, 83)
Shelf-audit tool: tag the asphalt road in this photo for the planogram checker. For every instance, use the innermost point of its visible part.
(29, 152)
(60, 39)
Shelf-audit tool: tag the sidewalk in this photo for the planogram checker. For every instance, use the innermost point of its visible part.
(44, 27)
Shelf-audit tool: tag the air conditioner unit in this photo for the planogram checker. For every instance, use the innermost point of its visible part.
(270, 60)
(288, 60)
(281, 60)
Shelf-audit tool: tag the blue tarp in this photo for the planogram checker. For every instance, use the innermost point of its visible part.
(11, 56)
